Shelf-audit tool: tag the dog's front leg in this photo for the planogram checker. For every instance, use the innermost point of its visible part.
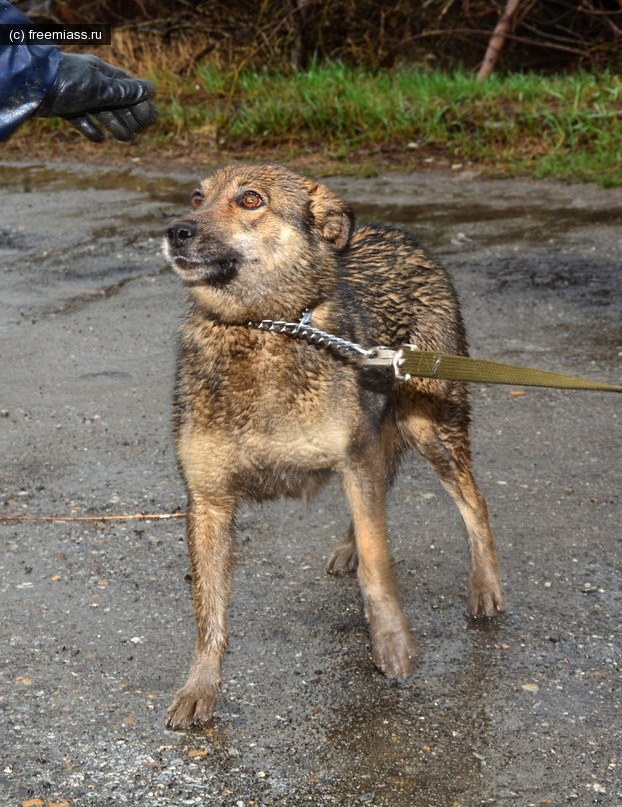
(393, 646)
(210, 533)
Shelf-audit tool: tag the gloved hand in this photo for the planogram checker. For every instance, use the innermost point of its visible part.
(86, 87)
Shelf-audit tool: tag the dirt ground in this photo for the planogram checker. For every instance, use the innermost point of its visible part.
(96, 622)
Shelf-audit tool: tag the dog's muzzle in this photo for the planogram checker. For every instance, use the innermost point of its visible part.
(198, 259)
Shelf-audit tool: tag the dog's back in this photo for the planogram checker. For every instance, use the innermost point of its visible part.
(406, 295)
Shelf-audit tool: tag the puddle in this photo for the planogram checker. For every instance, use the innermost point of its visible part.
(502, 217)
(418, 743)
(109, 376)
(82, 245)
(602, 346)
(490, 225)
(30, 178)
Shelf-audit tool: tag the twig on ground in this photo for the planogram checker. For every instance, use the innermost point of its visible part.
(17, 518)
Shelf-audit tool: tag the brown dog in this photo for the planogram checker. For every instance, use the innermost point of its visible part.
(261, 414)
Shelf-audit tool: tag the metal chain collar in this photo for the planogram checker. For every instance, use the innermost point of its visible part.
(374, 356)
(304, 330)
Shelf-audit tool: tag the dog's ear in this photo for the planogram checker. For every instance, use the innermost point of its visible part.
(332, 215)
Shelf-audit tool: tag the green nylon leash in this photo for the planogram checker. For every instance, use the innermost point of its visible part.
(424, 364)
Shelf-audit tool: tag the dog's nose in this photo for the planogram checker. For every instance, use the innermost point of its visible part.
(181, 231)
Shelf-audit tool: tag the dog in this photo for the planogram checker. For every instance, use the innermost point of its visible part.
(260, 414)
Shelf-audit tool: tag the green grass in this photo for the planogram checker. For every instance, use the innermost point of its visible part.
(566, 126)
(563, 126)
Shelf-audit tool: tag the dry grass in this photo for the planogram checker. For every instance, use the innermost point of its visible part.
(152, 54)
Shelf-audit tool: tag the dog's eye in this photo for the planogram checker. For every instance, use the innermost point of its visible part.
(251, 200)
(196, 200)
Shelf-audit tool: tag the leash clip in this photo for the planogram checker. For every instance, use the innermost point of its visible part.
(386, 357)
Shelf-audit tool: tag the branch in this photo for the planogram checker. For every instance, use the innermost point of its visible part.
(14, 519)
(497, 40)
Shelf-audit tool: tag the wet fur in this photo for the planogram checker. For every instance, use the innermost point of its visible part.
(260, 414)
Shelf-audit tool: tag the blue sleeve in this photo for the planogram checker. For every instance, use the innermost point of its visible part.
(26, 74)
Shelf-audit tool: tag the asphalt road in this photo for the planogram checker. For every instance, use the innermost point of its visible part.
(96, 622)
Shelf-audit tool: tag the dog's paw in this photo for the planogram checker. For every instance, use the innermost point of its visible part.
(486, 597)
(395, 654)
(191, 707)
(344, 560)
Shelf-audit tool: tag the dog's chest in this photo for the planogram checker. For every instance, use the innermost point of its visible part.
(265, 400)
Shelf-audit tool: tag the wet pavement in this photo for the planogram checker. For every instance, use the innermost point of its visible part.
(96, 619)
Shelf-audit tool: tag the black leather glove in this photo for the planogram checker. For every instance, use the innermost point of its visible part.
(88, 88)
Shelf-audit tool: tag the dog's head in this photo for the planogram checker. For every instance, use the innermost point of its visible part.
(260, 241)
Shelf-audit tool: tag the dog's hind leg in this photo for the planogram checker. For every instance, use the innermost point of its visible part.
(210, 532)
(393, 645)
(446, 446)
(344, 559)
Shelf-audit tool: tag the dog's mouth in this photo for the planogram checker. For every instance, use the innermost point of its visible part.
(215, 270)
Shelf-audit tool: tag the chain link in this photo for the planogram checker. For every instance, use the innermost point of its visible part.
(304, 330)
